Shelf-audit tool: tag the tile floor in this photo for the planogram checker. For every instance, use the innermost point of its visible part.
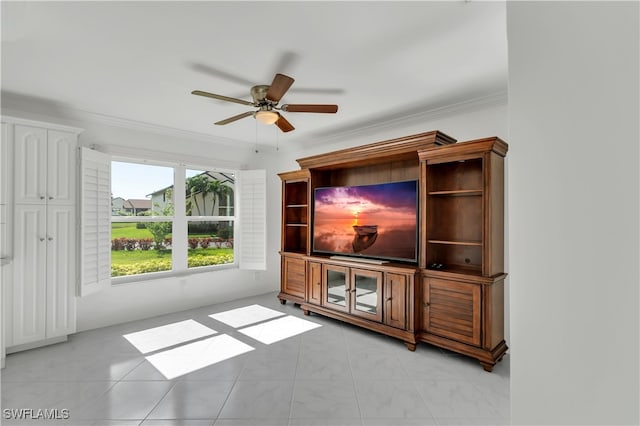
(325, 373)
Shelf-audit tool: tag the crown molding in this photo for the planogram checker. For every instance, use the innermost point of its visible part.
(153, 128)
(6, 118)
(402, 120)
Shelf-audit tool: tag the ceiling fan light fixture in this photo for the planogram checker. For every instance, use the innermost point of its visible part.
(267, 117)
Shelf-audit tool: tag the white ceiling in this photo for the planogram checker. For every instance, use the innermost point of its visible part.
(138, 61)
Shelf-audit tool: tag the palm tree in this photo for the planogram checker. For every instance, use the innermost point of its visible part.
(195, 185)
(219, 190)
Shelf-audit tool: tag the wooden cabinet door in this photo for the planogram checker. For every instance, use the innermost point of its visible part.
(452, 309)
(336, 292)
(61, 271)
(61, 170)
(314, 285)
(30, 164)
(28, 290)
(366, 293)
(293, 276)
(395, 300)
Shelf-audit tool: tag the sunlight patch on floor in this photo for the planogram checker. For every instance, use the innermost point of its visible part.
(278, 329)
(194, 356)
(153, 339)
(246, 315)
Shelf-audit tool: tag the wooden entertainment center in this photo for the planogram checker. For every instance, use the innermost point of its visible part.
(453, 296)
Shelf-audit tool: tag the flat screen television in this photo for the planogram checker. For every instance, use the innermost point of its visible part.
(377, 221)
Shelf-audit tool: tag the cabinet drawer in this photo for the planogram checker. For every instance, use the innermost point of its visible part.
(452, 309)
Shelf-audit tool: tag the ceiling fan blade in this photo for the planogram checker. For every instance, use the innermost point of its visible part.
(310, 108)
(279, 87)
(234, 118)
(284, 125)
(220, 97)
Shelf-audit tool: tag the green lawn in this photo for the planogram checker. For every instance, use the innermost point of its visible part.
(132, 262)
(129, 230)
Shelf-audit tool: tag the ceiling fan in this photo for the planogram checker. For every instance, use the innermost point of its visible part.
(266, 98)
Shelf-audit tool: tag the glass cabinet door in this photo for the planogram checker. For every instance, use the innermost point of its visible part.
(366, 293)
(336, 287)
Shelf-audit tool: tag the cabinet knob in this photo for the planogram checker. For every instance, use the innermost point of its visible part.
(389, 299)
(41, 239)
(42, 197)
(50, 238)
(50, 197)
(426, 305)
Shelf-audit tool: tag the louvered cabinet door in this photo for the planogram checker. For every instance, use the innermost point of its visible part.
(293, 276)
(452, 309)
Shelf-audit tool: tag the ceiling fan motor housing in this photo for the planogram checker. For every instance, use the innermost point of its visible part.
(259, 93)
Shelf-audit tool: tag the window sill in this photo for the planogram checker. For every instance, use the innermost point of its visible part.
(127, 279)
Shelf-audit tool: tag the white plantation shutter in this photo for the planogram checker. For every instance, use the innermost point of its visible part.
(252, 247)
(95, 222)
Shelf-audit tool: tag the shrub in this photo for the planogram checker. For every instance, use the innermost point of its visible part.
(155, 265)
(145, 243)
(140, 225)
(118, 243)
(202, 227)
(130, 243)
(159, 230)
(225, 231)
(204, 242)
(193, 242)
(215, 259)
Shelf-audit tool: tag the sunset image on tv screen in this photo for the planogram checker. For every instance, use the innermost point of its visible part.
(371, 220)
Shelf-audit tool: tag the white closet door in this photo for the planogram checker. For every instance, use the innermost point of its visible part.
(61, 271)
(30, 166)
(61, 170)
(29, 279)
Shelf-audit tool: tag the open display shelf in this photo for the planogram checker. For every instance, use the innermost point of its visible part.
(295, 212)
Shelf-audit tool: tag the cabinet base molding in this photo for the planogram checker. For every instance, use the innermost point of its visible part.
(284, 297)
(38, 344)
(408, 337)
(488, 358)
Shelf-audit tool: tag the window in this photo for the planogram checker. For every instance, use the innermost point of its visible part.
(209, 214)
(229, 228)
(168, 218)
